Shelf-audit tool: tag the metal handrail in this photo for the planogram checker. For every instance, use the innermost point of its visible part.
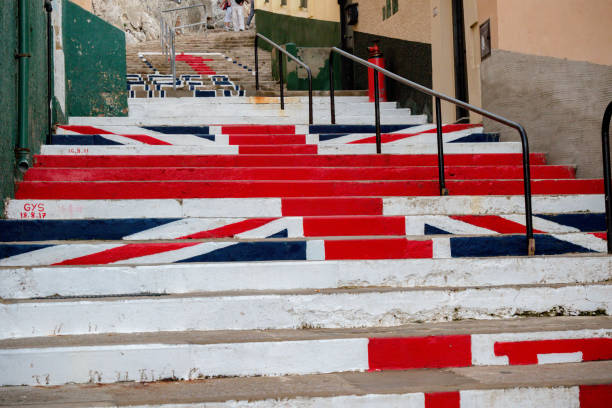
(280, 70)
(183, 8)
(440, 96)
(167, 44)
(605, 141)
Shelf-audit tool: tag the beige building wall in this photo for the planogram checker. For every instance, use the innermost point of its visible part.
(442, 54)
(326, 10)
(86, 4)
(579, 30)
(412, 21)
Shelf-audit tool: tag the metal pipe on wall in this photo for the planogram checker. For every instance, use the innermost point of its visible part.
(49, 9)
(22, 151)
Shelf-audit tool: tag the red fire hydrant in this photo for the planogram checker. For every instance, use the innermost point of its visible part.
(376, 58)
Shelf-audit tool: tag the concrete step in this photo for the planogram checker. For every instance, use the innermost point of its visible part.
(191, 355)
(292, 188)
(162, 149)
(329, 308)
(296, 206)
(295, 173)
(584, 385)
(313, 160)
(297, 227)
(215, 277)
(237, 139)
(202, 247)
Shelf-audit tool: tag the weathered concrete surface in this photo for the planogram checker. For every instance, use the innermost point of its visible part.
(523, 325)
(559, 102)
(326, 385)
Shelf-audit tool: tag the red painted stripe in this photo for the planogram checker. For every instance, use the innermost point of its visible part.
(354, 226)
(242, 189)
(378, 249)
(125, 252)
(267, 139)
(258, 129)
(86, 130)
(231, 229)
(282, 149)
(596, 396)
(601, 235)
(147, 139)
(526, 352)
(264, 173)
(196, 63)
(493, 223)
(283, 160)
(419, 352)
(443, 400)
(391, 137)
(331, 206)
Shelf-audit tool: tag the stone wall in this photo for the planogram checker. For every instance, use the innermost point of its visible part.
(139, 19)
(559, 102)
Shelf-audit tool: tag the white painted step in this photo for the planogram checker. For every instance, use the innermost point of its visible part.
(324, 149)
(72, 281)
(272, 207)
(270, 117)
(292, 310)
(192, 355)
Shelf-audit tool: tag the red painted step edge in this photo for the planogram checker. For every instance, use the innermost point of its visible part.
(289, 173)
(244, 189)
(276, 160)
(331, 206)
(443, 400)
(419, 352)
(526, 352)
(596, 396)
(399, 248)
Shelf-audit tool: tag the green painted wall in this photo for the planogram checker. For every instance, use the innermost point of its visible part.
(317, 58)
(37, 106)
(304, 32)
(305, 38)
(95, 65)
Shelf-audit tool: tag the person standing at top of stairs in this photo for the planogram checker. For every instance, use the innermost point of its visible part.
(226, 5)
(237, 15)
(251, 13)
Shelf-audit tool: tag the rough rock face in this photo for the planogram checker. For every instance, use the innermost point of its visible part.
(140, 18)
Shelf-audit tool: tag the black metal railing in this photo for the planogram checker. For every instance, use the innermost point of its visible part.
(605, 141)
(280, 73)
(438, 97)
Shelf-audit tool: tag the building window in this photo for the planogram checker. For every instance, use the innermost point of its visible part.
(304, 3)
(283, 2)
(390, 8)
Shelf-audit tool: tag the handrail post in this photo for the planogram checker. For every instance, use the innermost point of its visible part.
(282, 85)
(310, 113)
(377, 114)
(441, 177)
(172, 33)
(256, 66)
(527, 187)
(332, 105)
(605, 140)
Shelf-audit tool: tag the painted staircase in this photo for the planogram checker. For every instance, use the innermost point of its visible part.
(215, 64)
(273, 263)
